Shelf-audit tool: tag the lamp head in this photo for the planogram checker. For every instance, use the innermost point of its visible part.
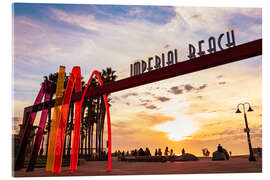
(238, 111)
(249, 109)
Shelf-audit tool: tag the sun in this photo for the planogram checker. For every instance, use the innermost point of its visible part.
(180, 129)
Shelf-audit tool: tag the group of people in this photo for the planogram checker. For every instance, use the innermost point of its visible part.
(134, 152)
(146, 152)
(158, 152)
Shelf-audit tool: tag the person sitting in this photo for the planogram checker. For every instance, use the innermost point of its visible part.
(141, 152)
(166, 151)
(147, 152)
(183, 151)
(159, 152)
(135, 152)
(156, 153)
(219, 148)
(171, 152)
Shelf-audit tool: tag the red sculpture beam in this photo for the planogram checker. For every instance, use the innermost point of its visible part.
(237, 53)
(75, 145)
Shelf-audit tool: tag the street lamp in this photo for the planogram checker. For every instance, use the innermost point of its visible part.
(251, 156)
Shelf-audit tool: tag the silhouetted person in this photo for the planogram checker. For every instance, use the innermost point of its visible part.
(156, 153)
(219, 148)
(230, 153)
(183, 151)
(147, 152)
(135, 152)
(141, 152)
(159, 152)
(166, 151)
(171, 152)
(127, 153)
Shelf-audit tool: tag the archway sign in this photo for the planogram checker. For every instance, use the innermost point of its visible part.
(138, 77)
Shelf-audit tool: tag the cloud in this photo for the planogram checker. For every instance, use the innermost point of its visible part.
(151, 107)
(146, 105)
(120, 124)
(16, 121)
(222, 83)
(213, 20)
(176, 90)
(219, 76)
(188, 87)
(199, 97)
(152, 119)
(137, 130)
(202, 87)
(145, 100)
(115, 97)
(162, 99)
(143, 104)
(129, 94)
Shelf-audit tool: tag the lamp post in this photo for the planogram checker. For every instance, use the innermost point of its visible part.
(251, 156)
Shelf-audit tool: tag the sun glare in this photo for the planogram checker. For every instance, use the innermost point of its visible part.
(179, 129)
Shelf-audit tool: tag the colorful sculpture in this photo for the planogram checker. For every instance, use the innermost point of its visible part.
(28, 120)
(55, 118)
(59, 122)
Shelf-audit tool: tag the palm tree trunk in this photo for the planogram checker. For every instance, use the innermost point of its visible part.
(89, 135)
(82, 137)
(85, 141)
(49, 129)
(70, 128)
(89, 112)
(98, 125)
(102, 123)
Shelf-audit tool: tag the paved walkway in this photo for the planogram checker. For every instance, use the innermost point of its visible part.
(94, 168)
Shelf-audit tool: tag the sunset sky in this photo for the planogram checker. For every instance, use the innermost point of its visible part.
(193, 111)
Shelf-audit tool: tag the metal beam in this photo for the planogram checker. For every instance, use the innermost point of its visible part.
(237, 53)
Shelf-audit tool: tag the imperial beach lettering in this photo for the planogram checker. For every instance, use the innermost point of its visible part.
(154, 62)
(212, 45)
(171, 57)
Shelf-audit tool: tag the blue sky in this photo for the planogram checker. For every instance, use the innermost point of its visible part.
(99, 36)
(156, 14)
